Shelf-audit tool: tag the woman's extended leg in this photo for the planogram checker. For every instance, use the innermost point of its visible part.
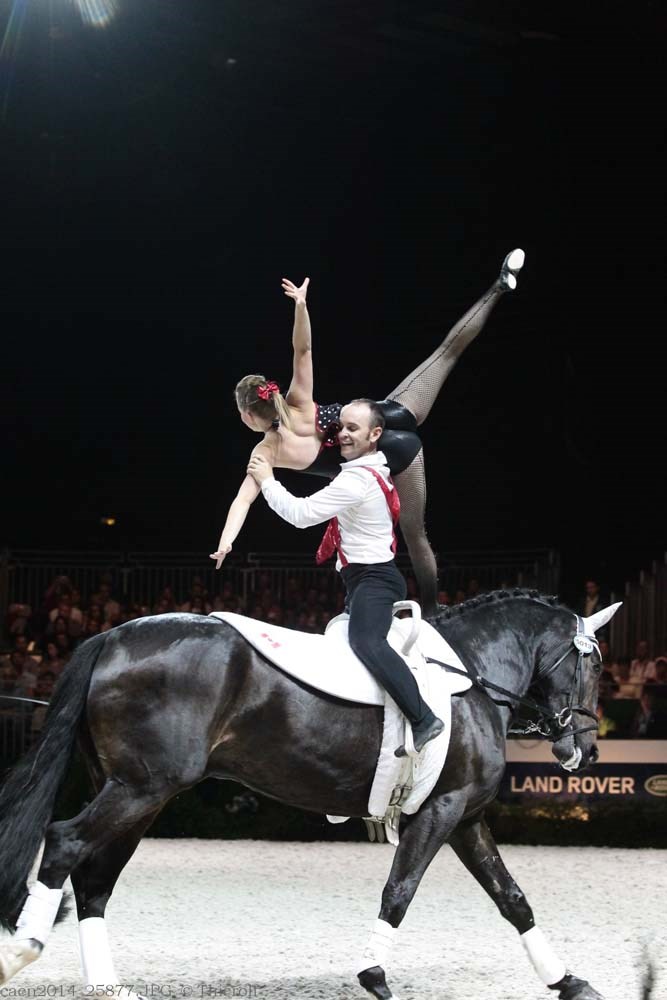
(419, 390)
(411, 486)
(418, 393)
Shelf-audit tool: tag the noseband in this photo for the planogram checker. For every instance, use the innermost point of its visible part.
(553, 726)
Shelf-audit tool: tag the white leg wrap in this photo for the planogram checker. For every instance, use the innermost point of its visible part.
(39, 913)
(379, 945)
(96, 961)
(546, 962)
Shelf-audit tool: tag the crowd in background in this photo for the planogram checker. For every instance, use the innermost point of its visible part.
(632, 691)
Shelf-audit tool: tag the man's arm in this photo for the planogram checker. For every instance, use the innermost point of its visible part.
(346, 490)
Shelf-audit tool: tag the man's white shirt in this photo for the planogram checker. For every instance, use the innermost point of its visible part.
(355, 498)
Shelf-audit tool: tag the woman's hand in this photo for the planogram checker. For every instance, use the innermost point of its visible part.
(298, 294)
(219, 556)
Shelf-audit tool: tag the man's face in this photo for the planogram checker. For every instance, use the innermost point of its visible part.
(355, 436)
(592, 588)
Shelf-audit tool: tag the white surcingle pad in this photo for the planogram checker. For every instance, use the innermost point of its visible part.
(549, 967)
(38, 914)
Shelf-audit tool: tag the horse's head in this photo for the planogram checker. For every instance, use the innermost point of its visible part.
(567, 675)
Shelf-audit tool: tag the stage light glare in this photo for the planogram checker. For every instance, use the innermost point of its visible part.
(108, 522)
(97, 13)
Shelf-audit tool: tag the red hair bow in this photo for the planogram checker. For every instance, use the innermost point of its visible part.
(264, 391)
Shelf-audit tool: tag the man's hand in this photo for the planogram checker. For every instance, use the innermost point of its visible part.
(259, 468)
(298, 294)
(219, 556)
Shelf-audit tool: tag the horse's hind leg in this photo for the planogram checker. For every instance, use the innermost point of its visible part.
(93, 882)
(113, 813)
(421, 839)
(476, 848)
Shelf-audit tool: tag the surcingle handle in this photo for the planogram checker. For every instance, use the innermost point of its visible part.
(416, 614)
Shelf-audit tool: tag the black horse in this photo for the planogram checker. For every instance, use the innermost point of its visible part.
(160, 703)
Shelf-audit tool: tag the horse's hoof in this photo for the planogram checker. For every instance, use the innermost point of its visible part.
(15, 956)
(572, 988)
(374, 982)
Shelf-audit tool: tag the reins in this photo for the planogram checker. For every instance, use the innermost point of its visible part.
(548, 722)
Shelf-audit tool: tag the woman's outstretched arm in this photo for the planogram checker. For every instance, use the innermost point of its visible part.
(236, 516)
(238, 511)
(300, 392)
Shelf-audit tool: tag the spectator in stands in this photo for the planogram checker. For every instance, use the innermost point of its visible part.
(198, 597)
(52, 660)
(26, 670)
(626, 689)
(605, 724)
(593, 600)
(9, 677)
(104, 598)
(73, 618)
(645, 722)
(64, 647)
(197, 606)
(166, 599)
(444, 598)
(22, 644)
(59, 588)
(43, 691)
(660, 673)
(275, 614)
(607, 684)
(18, 619)
(642, 668)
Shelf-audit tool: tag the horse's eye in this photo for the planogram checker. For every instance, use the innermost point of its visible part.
(597, 667)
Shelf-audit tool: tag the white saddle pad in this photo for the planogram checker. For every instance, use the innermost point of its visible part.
(326, 662)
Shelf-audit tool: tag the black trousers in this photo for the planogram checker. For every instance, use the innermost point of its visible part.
(371, 591)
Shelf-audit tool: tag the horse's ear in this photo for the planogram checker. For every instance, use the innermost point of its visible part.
(600, 618)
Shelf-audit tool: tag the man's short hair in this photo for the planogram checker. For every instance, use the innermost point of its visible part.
(376, 415)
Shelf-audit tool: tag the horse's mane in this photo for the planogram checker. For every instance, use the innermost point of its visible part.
(445, 613)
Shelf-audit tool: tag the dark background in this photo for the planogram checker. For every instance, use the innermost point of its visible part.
(161, 174)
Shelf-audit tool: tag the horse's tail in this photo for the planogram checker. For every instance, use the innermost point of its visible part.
(29, 790)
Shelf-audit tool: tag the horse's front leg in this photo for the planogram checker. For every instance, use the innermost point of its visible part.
(421, 839)
(475, 846)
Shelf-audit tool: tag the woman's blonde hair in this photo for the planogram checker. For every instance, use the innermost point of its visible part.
(273, 407)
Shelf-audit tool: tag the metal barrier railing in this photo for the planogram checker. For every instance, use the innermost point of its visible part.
(16, 733)
(643, 614)
(139, 577)
(538, 569)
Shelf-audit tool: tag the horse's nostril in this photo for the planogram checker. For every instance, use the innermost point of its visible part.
(595, 753)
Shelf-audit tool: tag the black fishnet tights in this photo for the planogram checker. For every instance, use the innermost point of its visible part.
(418, 393)
(411, 487)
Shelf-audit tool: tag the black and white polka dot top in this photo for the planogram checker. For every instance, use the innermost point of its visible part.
(327, 421)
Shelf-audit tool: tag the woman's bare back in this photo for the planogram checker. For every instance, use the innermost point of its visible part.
(296, 447)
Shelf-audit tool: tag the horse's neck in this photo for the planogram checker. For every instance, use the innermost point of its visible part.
(496, 648)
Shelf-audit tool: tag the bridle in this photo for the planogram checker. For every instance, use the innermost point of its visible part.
(550, 725)
(556, 726)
